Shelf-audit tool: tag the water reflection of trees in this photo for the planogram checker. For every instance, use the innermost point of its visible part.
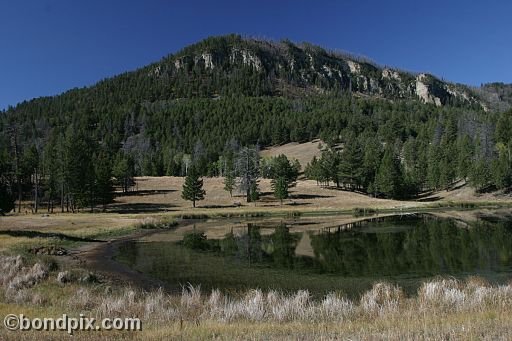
(275, 249)
(433, 246)
(425, 247)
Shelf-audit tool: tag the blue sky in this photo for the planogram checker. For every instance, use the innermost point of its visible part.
(49, 46)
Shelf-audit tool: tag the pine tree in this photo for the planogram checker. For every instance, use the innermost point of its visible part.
(193, 187)
(229, 182)
(501, 167)
(254, 193)
(123, 170)
(350, 166)
(465, 156)
(448, 164)
(433, 168)
(388, 178)
(78, 168)
(104, 187)
(280, 188)
(312, 170)
(281, 167)
(30, 170)
(330, 161)
(7, 197)
(51, 168)
(371, 162)
(480, 174)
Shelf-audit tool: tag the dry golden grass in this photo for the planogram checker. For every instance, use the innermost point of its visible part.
(163, 194)
(442, 309)
(304, 152)
(83, 225)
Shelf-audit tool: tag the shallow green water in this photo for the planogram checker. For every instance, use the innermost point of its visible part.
(347, 258)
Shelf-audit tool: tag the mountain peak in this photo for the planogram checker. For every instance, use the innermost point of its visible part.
(290, 69)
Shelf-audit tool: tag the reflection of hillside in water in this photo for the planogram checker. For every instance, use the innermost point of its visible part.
(401, 245)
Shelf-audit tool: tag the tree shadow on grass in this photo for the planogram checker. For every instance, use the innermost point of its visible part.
(143, 193)
(298, 204)
(38, 234)
(219, 206)
(309, 196)
(139, 208)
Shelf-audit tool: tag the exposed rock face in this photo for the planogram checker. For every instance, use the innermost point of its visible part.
(247, 58)
(391, 74)
(206, 58)
(422, 91)
(354, 67)
(310, 68)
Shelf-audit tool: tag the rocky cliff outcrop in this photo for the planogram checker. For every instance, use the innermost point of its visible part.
(313, 69)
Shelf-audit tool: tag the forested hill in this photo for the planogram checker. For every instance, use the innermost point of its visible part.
(201, 104)
(232, 65)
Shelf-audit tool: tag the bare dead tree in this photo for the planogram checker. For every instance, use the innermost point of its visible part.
(247, 170)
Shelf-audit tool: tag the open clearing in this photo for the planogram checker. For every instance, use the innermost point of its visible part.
(304, 152)
(163, 194)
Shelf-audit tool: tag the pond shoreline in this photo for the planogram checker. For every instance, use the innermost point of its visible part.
(100, 257)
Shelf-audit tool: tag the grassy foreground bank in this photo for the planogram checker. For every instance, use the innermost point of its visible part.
(441, 309)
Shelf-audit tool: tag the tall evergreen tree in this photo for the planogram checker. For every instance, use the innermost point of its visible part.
(330, 161)
(480, 175)
(229, 182)
(123, 171)
(281, 167)
(7, 195)
(464, 156)
(280, 188)
(104, 187)
(433, 169)
(312, 170)
(371, 161)
(388, 178)
(350, 167)
(51, 167)
(193, 187)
